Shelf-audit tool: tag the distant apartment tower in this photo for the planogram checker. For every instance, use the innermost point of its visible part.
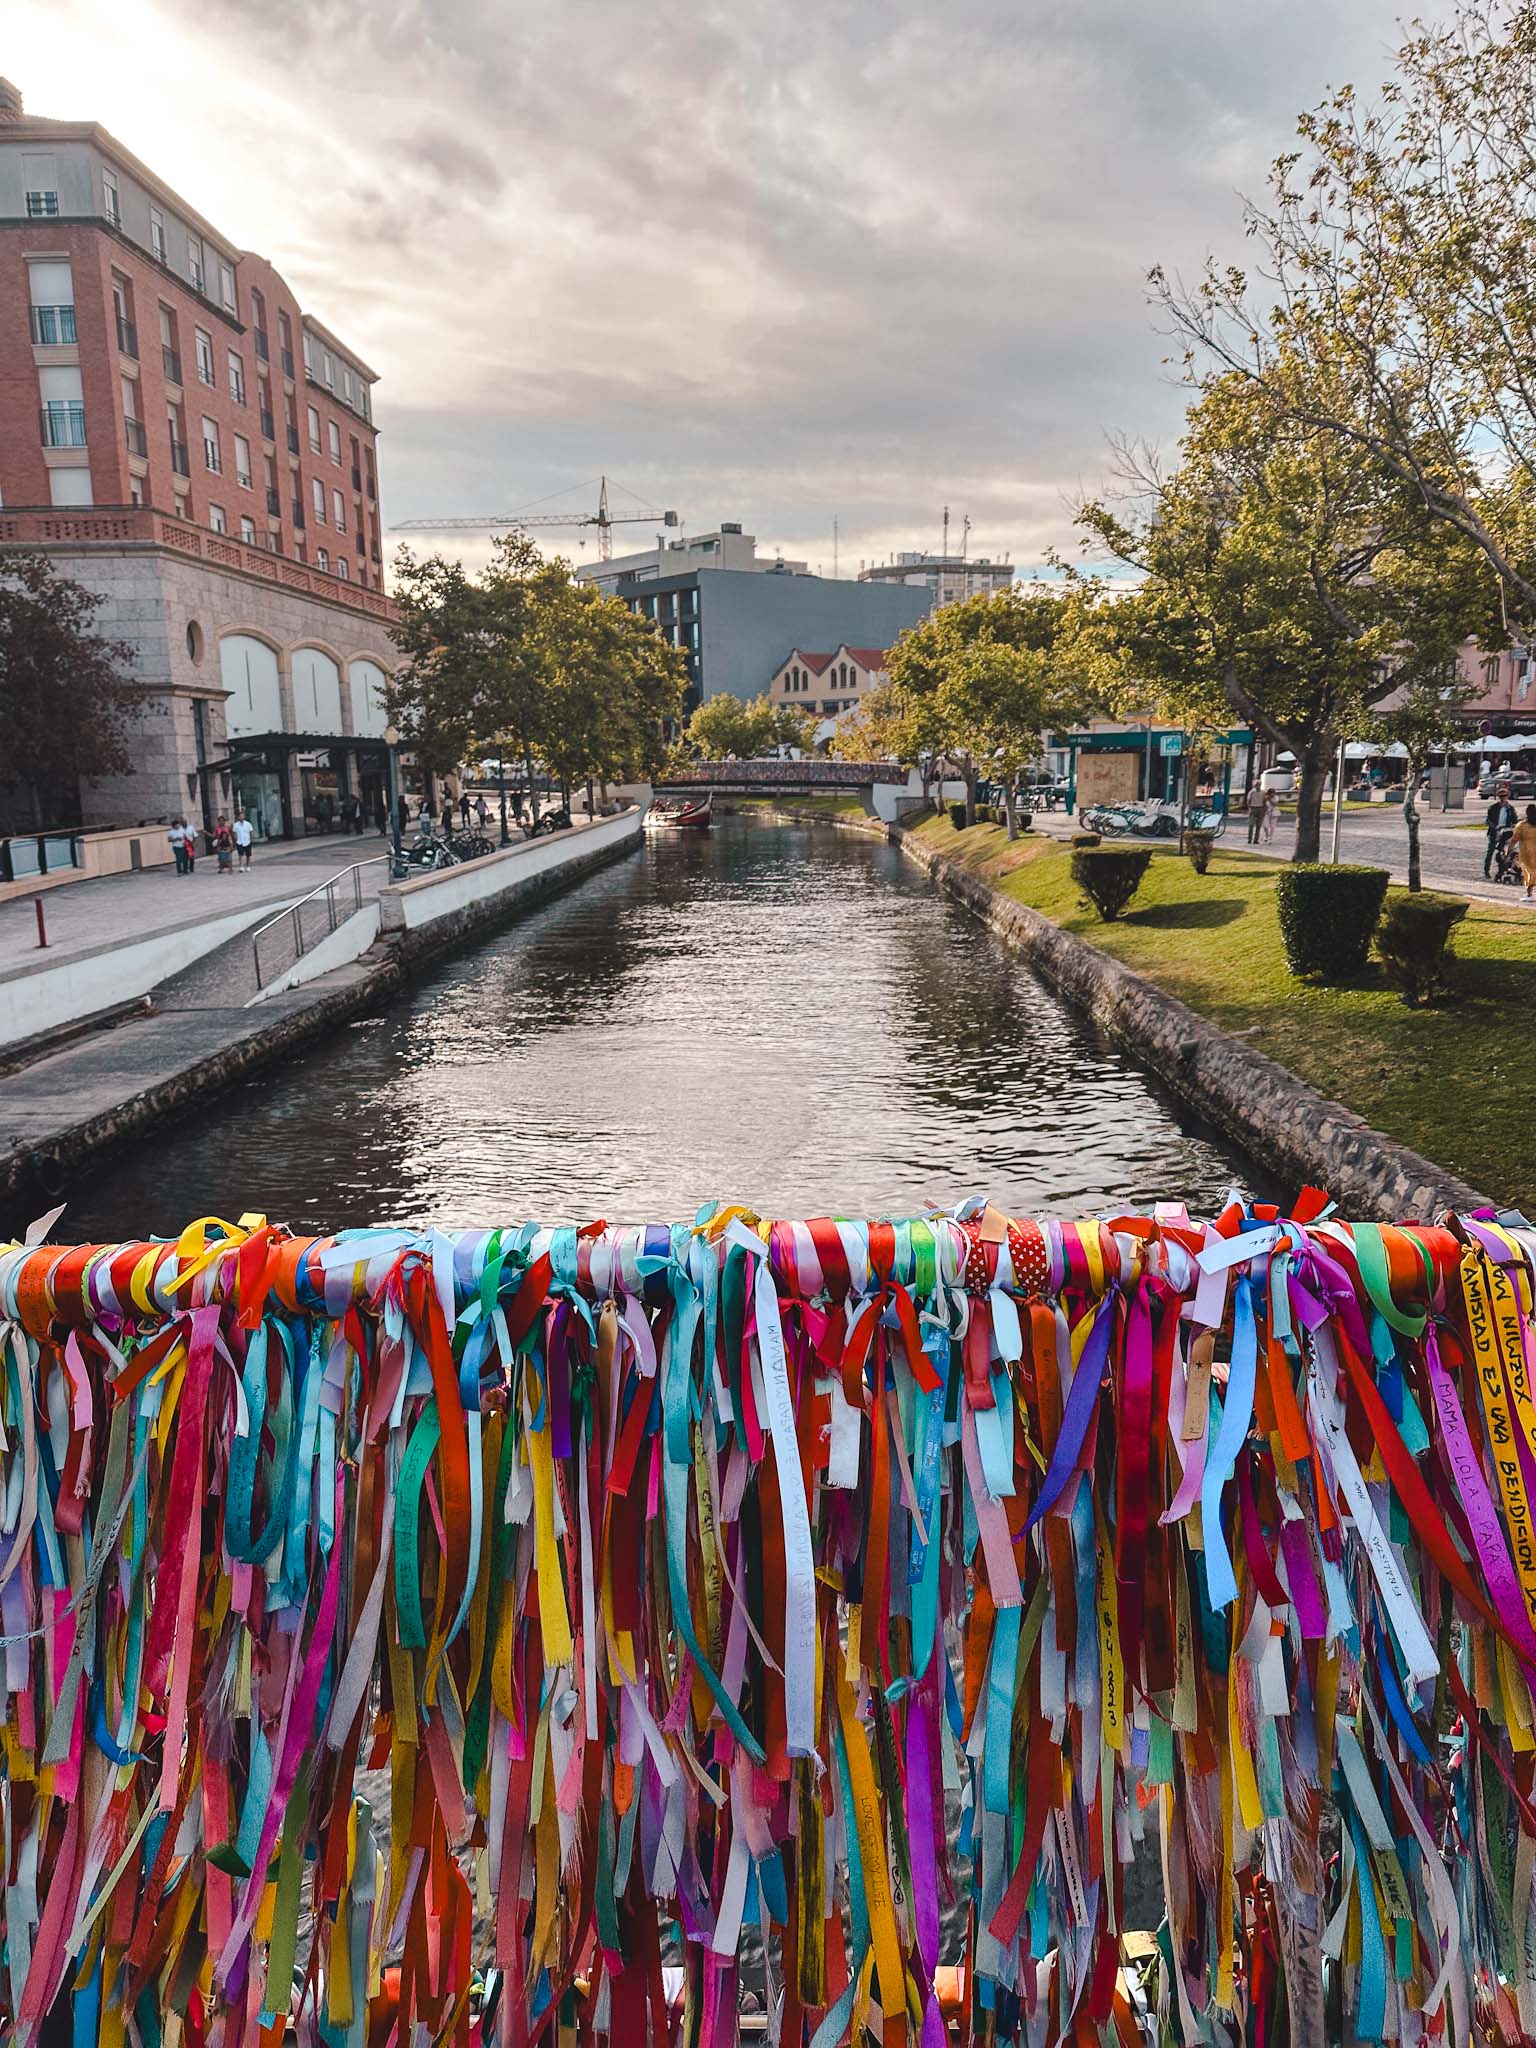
(733, 612)
(949, 577)
(181, 437)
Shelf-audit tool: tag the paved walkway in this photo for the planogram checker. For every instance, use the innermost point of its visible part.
(86, 917)
(1450, 854)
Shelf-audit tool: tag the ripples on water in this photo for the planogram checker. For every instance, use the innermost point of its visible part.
(789, 1017)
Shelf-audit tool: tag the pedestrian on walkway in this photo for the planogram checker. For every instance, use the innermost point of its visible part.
(1271, 815)
(1501, 820)
(178, 838)
(464, 809)
(482, 812)
(1522, 844)
(244, 833)
(402, 812)
(1254, 802)
(224, 845)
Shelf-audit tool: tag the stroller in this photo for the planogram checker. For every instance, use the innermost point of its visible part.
(1505, 867)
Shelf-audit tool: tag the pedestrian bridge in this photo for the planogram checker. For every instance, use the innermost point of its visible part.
(783, 778)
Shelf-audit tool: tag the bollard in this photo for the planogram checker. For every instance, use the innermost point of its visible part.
(42, 929)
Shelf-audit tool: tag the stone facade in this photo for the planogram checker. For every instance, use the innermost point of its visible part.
(174, 609)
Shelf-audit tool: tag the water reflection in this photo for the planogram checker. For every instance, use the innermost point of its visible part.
(792, 1017)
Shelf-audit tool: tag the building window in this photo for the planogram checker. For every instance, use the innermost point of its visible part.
(285, 342)
(317, 494)
(236, 378)
(322, 560)
(309, 355)
(216, 518)
(314, 429)
(136, 491)
(243, 475)
(63, 423)
(51, 287)
(227, 288)
(109, 200)
(330, 369)
(338, 511)
(204, 356)
(248, 529)
(40, 180)
(70, 487)
(157, 233)
(195, 263)
(333, 437)
(211, 445)
(341, 568)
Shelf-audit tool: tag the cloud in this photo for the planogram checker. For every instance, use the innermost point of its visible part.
(823, 257)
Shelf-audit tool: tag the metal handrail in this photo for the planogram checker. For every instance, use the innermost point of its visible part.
(295, 911)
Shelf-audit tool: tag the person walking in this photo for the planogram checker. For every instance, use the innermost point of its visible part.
(178, 838)
(482, 812)
(245, 834)
(1522, 844)
(1254, 802)
(1271, 815)
(464, 809)
(1500, 820)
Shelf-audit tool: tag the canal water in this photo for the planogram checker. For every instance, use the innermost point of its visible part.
(786, 1016)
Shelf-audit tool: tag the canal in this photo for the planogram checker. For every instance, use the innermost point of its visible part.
(782, 1015)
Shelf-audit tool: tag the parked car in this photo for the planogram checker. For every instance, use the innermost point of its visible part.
(1522, 786)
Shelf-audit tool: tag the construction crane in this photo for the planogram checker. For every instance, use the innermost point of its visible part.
(604, 520)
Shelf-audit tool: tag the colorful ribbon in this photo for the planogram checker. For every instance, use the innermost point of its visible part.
(688, 1581)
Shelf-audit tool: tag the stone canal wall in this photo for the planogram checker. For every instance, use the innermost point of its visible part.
(1285, 1125)
(99, 1092)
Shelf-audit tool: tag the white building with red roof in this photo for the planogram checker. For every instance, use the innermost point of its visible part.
(826, 685)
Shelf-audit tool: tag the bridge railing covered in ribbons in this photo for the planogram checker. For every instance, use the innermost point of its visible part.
(687, 1580)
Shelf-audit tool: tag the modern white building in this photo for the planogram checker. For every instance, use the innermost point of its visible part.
(949, 577)
(726, 548)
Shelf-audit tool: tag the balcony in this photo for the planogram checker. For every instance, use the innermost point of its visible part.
(274, 502)
(298, 513)
(237, 390)
(179, 460)
(268, 426)
(53, 326)
(127, 338)
(63, 423)
(263, 353)
(212, 461)
(133, 433)
(357, 478)
(172, 362)
(372, 493)
(286, 355)
(205, 373)
(293, 439)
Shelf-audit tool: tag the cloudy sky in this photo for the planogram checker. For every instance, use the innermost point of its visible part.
(784, 263)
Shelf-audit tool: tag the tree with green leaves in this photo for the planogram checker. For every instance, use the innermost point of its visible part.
(1285, 583)
(1421, 717)
(1397, 271)
(726, 728)
(977, 685)
(66, 692)
(613, 683)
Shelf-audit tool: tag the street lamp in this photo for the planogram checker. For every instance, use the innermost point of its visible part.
(392, 749)
(501, 782)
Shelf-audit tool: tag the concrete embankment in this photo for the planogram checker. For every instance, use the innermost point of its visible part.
(97, 1092)
(1292, 1129)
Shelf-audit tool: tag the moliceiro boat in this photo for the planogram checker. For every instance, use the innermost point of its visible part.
(681, 813)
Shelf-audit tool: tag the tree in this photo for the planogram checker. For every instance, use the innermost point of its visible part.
(986, 679)
(66, 698)
(613, 681)
(1398, 269)
(727, 728)
(1286, 582)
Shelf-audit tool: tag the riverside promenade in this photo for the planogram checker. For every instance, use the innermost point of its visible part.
(202, 1028)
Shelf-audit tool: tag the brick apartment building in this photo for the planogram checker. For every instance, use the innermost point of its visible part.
(179, 435)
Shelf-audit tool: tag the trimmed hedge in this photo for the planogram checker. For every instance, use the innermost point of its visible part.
(1327, 916)
(957, 816)
(1110, 875)
(1084, 839)
(1198, 844)
(1414, 941)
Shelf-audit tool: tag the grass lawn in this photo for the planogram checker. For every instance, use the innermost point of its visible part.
(1457, 1082)
(823, 806)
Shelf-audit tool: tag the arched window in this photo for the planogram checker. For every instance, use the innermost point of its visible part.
(248, 667)
(369, 717)
(316, 692)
